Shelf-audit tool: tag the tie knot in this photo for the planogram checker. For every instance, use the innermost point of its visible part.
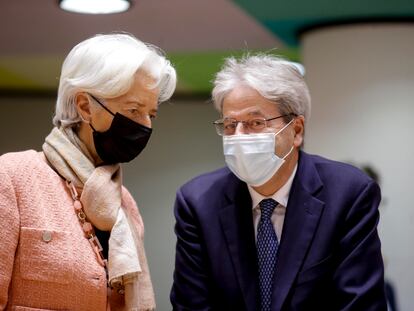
(267, 207)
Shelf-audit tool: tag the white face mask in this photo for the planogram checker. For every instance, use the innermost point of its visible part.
(252, 157)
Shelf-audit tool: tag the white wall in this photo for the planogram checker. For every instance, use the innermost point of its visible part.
(362, 84)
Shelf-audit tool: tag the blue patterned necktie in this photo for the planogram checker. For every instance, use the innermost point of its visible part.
(267, 245)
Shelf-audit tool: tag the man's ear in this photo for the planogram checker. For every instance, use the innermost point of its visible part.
(299, 128)
(83, 106)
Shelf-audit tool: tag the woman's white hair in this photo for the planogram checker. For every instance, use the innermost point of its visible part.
(274, 78)
(104, 66)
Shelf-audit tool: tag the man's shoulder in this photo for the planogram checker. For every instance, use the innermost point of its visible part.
(332, 170)
(210, 186)
(216, 177)
(206, 194)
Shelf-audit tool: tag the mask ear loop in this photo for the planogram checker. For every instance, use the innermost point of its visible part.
(103, 106)
(284, 127)
(291, 149)
(287, 154)
(90, 124)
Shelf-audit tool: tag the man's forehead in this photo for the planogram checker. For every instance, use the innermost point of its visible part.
(261, 109)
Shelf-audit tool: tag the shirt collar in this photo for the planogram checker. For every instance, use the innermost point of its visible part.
(281, 196)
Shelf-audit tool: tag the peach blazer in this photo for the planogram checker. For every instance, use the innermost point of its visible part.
(46, 263)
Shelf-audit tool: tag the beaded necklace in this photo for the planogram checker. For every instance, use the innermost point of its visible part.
(91, 236)
(87, 226)
(89, 232)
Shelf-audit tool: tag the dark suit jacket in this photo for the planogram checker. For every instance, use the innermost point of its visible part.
(329, 256)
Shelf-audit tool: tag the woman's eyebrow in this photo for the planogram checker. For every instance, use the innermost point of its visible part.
(135, 102)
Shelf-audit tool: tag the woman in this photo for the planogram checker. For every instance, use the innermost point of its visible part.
(71, 235)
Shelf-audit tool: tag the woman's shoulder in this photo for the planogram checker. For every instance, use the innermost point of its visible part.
(22, 162)
(17, 159)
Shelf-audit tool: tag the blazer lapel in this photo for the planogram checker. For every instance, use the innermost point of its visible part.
(237, 223)
(301, 220)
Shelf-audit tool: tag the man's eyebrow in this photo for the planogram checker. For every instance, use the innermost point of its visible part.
(255, 113)
(251, 113)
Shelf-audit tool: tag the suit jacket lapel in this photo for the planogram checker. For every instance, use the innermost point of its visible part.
(301, 220)
(237, 223)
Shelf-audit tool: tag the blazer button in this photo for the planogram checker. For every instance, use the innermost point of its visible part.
(47, 236)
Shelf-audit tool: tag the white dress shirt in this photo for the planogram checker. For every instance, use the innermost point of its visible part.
(282, 197)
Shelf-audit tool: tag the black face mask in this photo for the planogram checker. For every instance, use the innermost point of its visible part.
(123, 141)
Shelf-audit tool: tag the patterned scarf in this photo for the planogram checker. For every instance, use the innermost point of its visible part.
(101, 199)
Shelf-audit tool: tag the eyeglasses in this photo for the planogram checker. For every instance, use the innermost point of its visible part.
(227, 126)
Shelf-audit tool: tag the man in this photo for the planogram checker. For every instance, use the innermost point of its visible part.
(278, 229)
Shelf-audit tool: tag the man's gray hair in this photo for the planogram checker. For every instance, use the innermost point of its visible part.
(105, 66)
(274, 78)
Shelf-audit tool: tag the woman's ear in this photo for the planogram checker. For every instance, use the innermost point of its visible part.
(83, 106)
(299, 128)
